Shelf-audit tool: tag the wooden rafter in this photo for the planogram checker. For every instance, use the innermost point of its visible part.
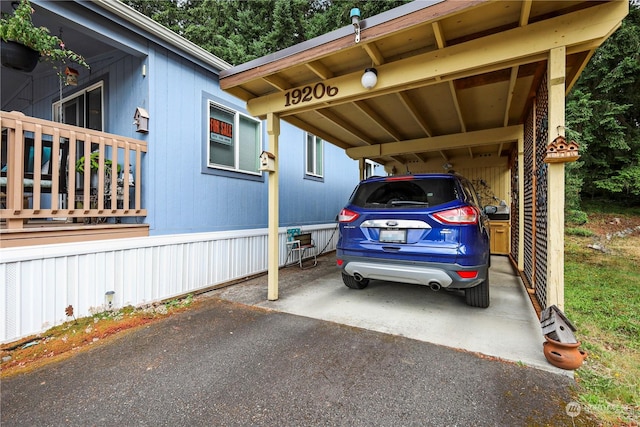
(442, 43)
(277, 82)
(378, 120)
(512, 85)
(294, 120)
(439, 35)
(319, 70)
(415, 113)
(374, 53)
(525, 12)
(346, 126)
(456, 104)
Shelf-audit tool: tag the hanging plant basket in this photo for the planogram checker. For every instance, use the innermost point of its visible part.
(18, 56)
(17, 31)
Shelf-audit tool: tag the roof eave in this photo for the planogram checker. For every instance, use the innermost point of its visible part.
(148, 25)
(330, 37)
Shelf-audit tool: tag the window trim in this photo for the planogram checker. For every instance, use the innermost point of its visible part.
(313, 174)
(372, 165)
(78, 93)
(236, 144)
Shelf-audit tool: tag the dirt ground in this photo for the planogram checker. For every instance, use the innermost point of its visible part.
(616, 233)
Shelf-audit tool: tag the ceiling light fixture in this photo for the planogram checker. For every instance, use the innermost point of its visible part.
(369, 78)
(355, 20)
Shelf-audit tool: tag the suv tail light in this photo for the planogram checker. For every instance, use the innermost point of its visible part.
(468, 274)
(463, 215)
(347, 216)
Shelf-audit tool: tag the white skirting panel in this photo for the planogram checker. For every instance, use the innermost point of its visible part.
(39, 282)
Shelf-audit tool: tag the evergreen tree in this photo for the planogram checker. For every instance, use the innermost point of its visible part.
(239, 31)
(603, 116)
(603, 109)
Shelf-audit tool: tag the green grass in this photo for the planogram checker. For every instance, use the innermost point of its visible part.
(578, 231)
(602, 298)
(607, 206)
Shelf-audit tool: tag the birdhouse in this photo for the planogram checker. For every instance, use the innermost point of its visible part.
(267, 162)
(141, 120)
(561, 151)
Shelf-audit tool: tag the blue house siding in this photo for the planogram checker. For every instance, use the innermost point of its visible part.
(188, 197)
(207, 227)
(181, 193)
(185, 200)
(304, 201)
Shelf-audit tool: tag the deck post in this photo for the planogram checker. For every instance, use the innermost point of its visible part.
(273, 130)
(555, 183)
(520, 201)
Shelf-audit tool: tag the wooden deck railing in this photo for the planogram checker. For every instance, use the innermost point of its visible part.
(39, 157)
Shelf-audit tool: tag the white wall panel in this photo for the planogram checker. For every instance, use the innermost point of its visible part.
(37, 283)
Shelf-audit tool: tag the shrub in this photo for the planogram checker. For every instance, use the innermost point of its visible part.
(580, 232)
(576, 217)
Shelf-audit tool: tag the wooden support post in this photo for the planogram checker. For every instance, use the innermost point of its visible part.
(273, 130)
(555, 183)
(521, 203)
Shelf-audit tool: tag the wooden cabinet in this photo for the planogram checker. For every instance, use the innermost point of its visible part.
(500, 234)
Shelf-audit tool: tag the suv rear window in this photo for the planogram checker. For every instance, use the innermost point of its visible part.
(418, 193)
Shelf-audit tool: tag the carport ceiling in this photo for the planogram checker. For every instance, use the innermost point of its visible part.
(455, 78)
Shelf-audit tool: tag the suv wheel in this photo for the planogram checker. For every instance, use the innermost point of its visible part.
(478, 296)
(352, 283)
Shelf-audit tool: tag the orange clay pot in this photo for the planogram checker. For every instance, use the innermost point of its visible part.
(563, 355)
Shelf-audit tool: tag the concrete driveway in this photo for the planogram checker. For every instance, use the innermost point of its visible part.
(508, 329)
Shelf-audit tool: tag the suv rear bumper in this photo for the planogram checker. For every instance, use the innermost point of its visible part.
(420, 273)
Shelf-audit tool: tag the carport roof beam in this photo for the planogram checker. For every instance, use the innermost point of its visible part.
(437, 143)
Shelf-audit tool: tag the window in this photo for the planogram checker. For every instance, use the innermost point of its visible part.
(234, 140)
(369, 168)
(314, 155)
(84, 108)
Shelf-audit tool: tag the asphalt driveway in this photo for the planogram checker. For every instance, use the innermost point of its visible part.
(227, 363)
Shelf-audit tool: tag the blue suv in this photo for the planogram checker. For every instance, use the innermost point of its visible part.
(426, 229)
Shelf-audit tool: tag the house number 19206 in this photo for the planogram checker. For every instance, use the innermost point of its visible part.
(308, 93)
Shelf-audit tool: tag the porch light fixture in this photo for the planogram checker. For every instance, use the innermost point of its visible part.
(369, 78)
(447, 166)
(355, 20)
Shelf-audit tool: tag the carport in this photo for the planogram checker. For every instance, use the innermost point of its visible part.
(472, 86)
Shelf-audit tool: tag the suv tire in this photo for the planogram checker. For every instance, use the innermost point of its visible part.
(478, 296)
(352, 283)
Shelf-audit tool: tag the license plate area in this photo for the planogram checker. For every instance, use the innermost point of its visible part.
(393, 235)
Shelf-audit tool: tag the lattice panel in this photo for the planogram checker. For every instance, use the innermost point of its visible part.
(541, 171)
(528, 214)
(515, 209)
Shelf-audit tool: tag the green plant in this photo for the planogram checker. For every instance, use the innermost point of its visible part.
(602, 292)
(94, 160)
(577, 231)
(576, 217)
(19, 28)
